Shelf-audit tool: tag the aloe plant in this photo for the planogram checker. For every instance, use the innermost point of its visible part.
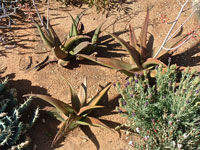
(141, 52)
(77, 114)
(75, 42)
(13, 131)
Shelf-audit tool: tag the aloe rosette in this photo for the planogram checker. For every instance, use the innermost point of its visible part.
(75, 42)
(77, 114)
(141, 52)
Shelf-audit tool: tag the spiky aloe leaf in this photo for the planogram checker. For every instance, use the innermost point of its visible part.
(50, 35)
(85, 109)
(76, 104)
(59, 53)
(76, 21)
(45, 38)
(135, 56)
(60, 132)
(152, 62)
(143, 36)
(57, 41)
(150, 47)
(99, 96)
(133, 71)
(54, 113)
(96, 34)
(133, 40)
(81, 46)
(109, 62)
(73, 31)
(71, 40)
(91, 121)
(82, 94)
(66, 126)
(61, 106)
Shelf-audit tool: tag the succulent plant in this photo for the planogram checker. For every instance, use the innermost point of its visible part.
(141, 52)
(77, 114)
(12, 129)
(75, 42)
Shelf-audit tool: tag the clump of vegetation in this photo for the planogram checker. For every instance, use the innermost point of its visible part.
(73, 116)
(165, 115)
(75, 42)
(7, 9)
(100, 5)
(12, 129)
(141, 52)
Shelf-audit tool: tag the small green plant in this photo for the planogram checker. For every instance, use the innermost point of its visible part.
(12, 129)
(73, 116)
(165, 115)
(75, 42)
(141, 52)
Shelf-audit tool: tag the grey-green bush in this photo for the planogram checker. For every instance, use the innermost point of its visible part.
(166, 114)
(12, 128)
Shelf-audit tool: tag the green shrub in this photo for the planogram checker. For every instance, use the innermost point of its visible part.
(12, 128)
(166, 115)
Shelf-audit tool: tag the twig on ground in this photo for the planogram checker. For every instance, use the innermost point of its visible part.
(172, 27)
(48, 14)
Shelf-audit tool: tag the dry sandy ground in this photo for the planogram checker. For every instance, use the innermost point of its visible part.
(48, 81)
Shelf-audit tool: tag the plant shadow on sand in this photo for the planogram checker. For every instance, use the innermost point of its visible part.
(189, 55)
